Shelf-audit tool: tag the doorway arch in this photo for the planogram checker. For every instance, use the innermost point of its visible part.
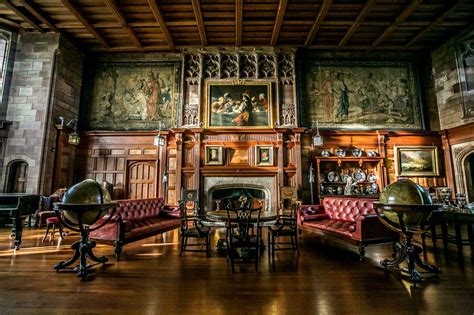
(17, 177)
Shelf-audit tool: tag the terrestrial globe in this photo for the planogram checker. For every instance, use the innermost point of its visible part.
(408, 195)
(91, 196)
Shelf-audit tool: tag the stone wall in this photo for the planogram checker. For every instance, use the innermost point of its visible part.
(45, 85)
(449, 83)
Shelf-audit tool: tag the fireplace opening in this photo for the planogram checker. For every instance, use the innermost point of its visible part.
(237, 197)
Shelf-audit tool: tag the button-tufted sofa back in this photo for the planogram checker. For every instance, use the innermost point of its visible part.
(133, 210)
(347, 209)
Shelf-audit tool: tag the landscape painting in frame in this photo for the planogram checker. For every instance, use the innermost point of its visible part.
(239, 105)
(134, 96)
(361, 95)
(416, 161)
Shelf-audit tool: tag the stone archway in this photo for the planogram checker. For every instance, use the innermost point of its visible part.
(463, 158)
(17, 171)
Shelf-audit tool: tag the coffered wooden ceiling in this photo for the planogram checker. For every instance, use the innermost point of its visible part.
(165, 25)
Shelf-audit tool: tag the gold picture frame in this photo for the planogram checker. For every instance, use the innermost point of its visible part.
(238, 104)
(263, 155)
(416, 161)
(214, 155)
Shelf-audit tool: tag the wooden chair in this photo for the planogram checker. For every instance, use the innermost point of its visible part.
(51, 224)
(191, 225)
(286, 226)
(242, 246)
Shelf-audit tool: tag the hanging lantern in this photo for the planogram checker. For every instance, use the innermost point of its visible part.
(74, 138)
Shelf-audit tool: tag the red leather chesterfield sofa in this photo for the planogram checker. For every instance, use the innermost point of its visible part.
(351, 219)
(137, 219)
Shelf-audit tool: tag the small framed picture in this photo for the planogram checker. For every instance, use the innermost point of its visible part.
(214, 155)
(416, 161)
(263, 155)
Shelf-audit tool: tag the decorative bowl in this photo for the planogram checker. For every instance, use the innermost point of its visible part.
(325, 153)
(372, 153)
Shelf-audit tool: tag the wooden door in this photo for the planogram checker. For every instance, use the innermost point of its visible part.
(141, 180)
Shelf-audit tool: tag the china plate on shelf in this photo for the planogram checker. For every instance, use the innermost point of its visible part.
(333, 177)
(359, 175)
(356, 152)
(372, 189)
(371, 177)
(344, 177)
(322, 179)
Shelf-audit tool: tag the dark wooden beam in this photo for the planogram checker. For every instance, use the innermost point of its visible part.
(73, 9)
(278, 21)
(440, 19)
(159, 18)
(39, 14)
(238, 21)
(362, 15)
(121, 19)
(22, 15)
(400, 18)
(200, 21)
(9, 23)
(319, 19)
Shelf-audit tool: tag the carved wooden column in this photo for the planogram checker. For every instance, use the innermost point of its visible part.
(196, 182)
(448, 160)
(297, 157)
(179, 161)
(162, 167)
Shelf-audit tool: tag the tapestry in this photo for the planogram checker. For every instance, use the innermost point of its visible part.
(360, 95)
(134, 96)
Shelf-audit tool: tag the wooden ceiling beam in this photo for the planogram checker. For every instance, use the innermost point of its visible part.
(278, 21)
(319, 19)
(400, 18)
(22, 15)
(238, 21)
(73, 9)
(9, 23)
(440, 19)
(159, 18)
(200, 21)
(39, 14)
(362, 15)
(121, 19)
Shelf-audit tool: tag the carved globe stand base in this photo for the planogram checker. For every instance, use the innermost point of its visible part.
(411, 253)
(82, 251)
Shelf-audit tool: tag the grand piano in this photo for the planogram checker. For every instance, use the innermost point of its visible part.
(18, 207)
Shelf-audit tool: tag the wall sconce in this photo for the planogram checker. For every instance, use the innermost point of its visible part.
(73, 138)
(317, 138)
(159, 140)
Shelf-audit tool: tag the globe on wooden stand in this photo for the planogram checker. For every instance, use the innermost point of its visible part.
(82, 206)
(407, 209)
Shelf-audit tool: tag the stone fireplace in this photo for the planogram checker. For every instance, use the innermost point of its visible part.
(230, 187)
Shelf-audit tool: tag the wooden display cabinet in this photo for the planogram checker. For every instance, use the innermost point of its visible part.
(366, 172)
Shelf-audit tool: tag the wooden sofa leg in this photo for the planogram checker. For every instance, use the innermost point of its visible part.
(361, 252)
(118, 249)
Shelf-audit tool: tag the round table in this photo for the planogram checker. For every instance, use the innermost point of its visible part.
(266, 217)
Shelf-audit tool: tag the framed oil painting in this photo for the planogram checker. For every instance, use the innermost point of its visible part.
(237, 104)
(360, 95)
(238, 156)
(416, 161)
(129, 96)
(214, 155)
(263, 155)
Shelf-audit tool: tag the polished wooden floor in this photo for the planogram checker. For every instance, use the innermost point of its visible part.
(151, 278)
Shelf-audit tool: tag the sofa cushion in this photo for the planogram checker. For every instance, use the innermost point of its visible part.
(343, 228)
(347, 209)
(152, 226)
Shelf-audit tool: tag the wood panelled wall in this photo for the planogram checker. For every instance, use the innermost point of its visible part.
(383, 142)
(127, 160)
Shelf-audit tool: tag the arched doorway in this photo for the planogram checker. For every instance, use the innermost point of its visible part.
(17, 177)
(469, 174)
